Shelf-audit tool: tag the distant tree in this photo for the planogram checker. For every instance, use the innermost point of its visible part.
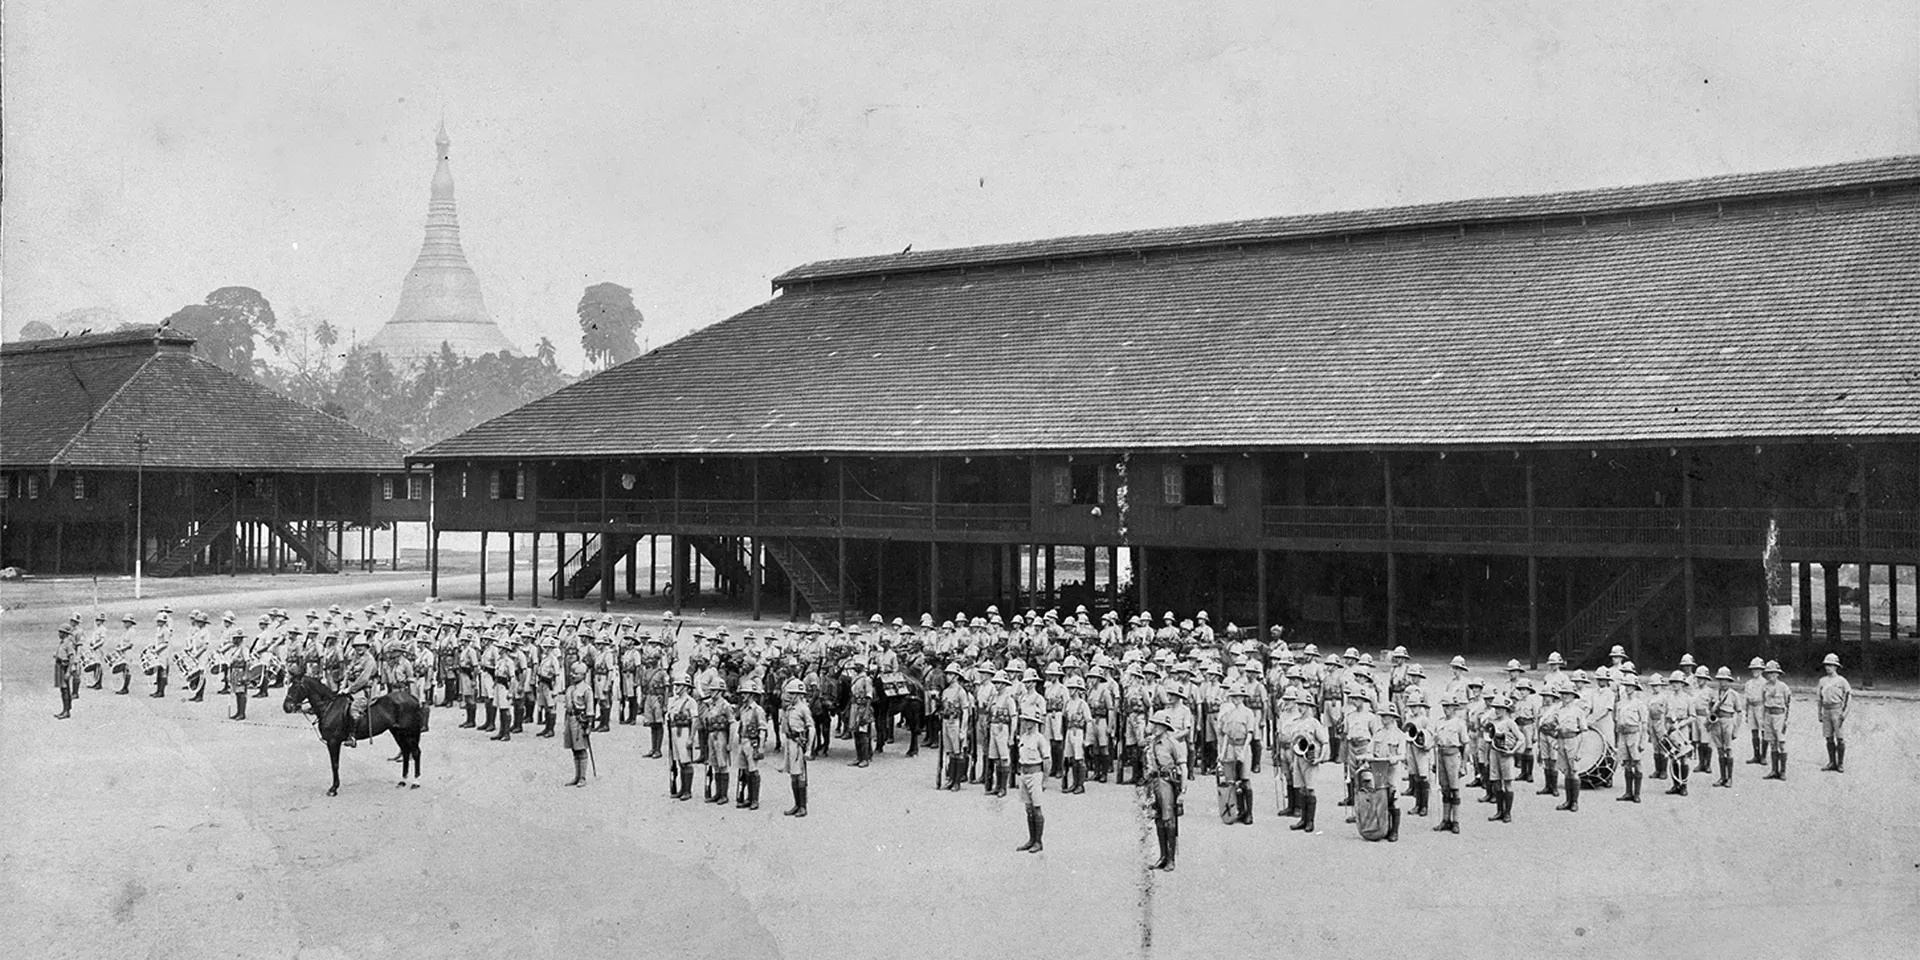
(546, 352)
(609, 324)
(228, 326)
(37, 330)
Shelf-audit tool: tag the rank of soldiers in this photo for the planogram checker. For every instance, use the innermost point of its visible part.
(1012, 702)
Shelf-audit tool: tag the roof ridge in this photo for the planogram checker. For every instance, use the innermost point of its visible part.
(101, 409)
(1742, 186)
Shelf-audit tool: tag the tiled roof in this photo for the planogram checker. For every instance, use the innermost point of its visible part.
(1641, 199)
(1745, 319)
(79, 401)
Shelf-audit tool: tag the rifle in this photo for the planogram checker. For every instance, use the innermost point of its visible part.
(940, 762)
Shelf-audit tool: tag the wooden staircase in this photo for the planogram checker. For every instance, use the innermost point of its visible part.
(586, 575)
(314, 550)
(723, 558)
(812, 566)
(183, 552)
(1588, 633)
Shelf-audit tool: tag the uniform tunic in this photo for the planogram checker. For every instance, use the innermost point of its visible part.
(1776, 698)
(1570, 720)
(956, 705)
(1299, 767)
(1031, 774)
(1630, 726)
(1166, 764)
(1729, 710)
(578, 700)
(796, 724)
(1835, 697)
(1505, 733)
(749, 736)
(1449, 751)
(1103, 703)
(1075, 718)
(1235, 727)
(682, 713)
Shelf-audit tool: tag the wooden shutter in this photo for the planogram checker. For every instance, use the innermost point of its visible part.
(520, 484)
(1101, 497)
(1062, 485)
(1219, 484)
(416, 488)
(386, 488)
(1173, 487)
(79, 486)
(493, 484)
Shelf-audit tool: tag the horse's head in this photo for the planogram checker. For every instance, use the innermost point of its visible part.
(303, 691)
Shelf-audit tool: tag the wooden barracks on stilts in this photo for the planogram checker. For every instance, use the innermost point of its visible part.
(1627, 415)
(122, 442)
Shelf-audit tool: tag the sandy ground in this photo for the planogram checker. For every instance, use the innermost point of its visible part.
(157, 828)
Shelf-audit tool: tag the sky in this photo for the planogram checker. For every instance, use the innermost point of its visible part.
(157, 149)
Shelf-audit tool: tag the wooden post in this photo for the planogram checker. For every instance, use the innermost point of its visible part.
(653, 565)
(483, 568)
(633, 568)
(1052, 600)
(676, 575)
(393, 561)
(606, 569)
(1533, 582)
(59, 541)
(511, 568)
(1865, 597)
(879, 576)
(1113, 578)
(1140, 577)
(1633, 633)
(1686, 545)
(840, 525)
(559, 564)
(1726, 624)
(1763, 610)
(753, 556)
(1260, 592)
(533, 576)
(1806, 601)
(1830, 577)
(273, 542)
(234, 542)
(314, 549)
(433, 560)
(1393, 599)
(933, 578)
(1893, 603)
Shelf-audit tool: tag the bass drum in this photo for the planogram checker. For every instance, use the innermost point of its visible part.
(1594, 761)
(894, 685)
(1372, 811)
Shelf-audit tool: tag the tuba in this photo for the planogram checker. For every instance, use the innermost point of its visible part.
(1418, 733)
(1303, 747)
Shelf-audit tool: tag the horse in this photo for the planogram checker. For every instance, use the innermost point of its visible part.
(398, 713)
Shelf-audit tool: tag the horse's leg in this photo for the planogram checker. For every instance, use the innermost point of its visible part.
(413, 747)
(333, 755)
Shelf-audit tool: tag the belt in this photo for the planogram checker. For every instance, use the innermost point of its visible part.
(1030, 768)
(1776, 709)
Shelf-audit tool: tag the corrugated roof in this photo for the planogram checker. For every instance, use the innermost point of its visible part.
(79, 401)
(1548, 206)
(1746, 320)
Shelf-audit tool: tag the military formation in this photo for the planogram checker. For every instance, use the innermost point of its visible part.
(1012, 702)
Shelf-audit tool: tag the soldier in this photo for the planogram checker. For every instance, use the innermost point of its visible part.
(66, 676)
(1166, 764)
(120, 654)
(1630, 726)
(1702, 703)
(1729, 707)
(1055, 695)
(653, 696)
(1450, 760)
(193, 656)
(605, 669)
(1103, 705)
(716, 727)
(1301, 744)
(549, 695)
(749, 743)
(1775, 701)
(797, 735)
(1419, 729)
(1000, 711)
(154, 657)
(956, 722)
(1136, 699)
(361, 673)
(1677, 739)
(1075, 718)
(1360, 726)
(577, 700)
(1504, 738)
(860, 718)
(1751, 690)
(1570, 720)
(1835, 697)
(1031, 771)
(505, 670)
(1526, 713)
(93, 649)
(239, 664)
(681, 714)
(1234, 727)
(1478, 714)
(1389, 750)
(1657, 725)
(1601, 703)
(1260, 702)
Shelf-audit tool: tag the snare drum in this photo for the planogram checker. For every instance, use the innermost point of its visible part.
(1594, 760)
(894, 685)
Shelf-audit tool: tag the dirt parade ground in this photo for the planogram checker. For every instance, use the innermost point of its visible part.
(159, 828)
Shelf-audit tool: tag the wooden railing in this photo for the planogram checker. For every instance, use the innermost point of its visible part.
(864, 514)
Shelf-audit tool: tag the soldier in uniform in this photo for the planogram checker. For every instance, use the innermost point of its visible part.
(1031, 771)
(682, 713)
(1776, 699)
(1728, 709)
(238, 665)
(1360, 726)
(121, 653)
(956, 721)
(1677, 740)
(1570, 720)
(66, 675)
(154, 656)
(797, 736)
(1299, 747)
(1234, 726)
(193, 656)
(1075, 718)
(1136, 701)
(1835, 697)
(1630, 726)
(95, 650)
(1756, 680)
(749, 743)
(1055, 695)
(1389, 747)
(716, 727)
(576, 737)
(1166, 765)
(360, 674)
(1000, 711)
(505, 670)
(468, 677)
(1103, 705)
(1450, 760)
(1419, 729)
(653, 696)
(1504, 738)
(1527, 705)
(860, 719)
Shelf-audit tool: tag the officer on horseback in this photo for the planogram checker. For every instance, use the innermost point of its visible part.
(360, 674)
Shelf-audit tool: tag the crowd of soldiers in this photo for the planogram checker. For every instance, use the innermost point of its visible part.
(1005, 703)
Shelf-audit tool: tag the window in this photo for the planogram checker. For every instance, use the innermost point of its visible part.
(463, 484)
(1088, 484)
(33, 486)
(416, 488)
(508, 484)
(386, 488)
(520, 484)
(79, 486)
(1193, 485)
(6, 486)
(493, 485)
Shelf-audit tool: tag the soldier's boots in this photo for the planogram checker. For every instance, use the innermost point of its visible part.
(1003, 776)
(506, 725)
(469, 724)
(719, 789)
(799, 808)
(1489, 786)
(1779, 771)
(1348, 802)
(1705, 752)
(1506, 806)
(1446, 812)
(1759, 750)
(1839, 756)
(1309, 804)
(1393, 824)
(1726, 771)
(686, 782)
(1246, 803)
(1160, 834)
(159, 687)
(579, 770)
(1169, 845)
(1551, 786)
(492, 712)
(553, 716)
(653, 735)
(126, 681)
(66, 704)
(239, 705)
(1079, 776)
(520, 719)
(1660, 765)
(1572, 803)
(1419, 796)
(1033, 836)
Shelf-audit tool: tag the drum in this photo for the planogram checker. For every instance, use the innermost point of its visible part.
(1371, 807)
(151, 660)
(1593, 760)
(893, 685)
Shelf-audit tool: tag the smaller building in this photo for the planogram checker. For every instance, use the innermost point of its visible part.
(118, 439)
